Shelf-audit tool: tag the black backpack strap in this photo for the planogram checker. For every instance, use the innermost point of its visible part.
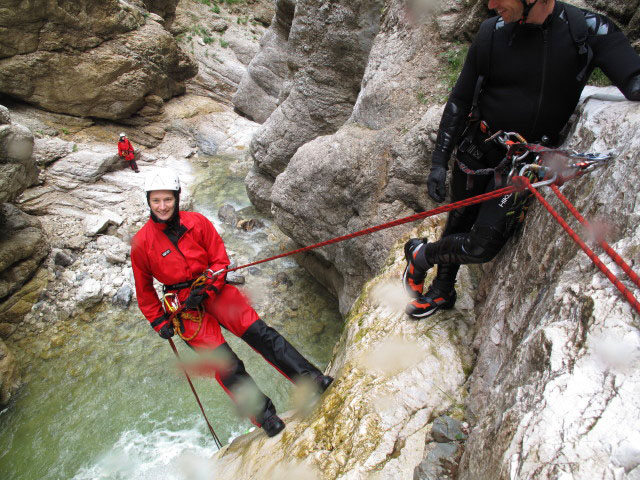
(579, 33)
(484, 41)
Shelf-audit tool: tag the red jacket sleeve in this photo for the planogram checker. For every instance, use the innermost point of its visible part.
(216, 251)
(148, 300)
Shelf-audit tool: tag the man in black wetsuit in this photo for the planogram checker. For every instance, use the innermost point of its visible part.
(524, 73)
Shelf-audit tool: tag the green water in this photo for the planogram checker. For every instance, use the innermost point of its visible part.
(108, 402)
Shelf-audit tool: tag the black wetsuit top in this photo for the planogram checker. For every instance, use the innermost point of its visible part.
(531, 86)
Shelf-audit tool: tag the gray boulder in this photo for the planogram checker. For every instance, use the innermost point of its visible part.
(23, 246)
(18, 169)
(89, 293)
(84, 166)
(63, 258)
(48, 150)
(113, 55)
(123, 295)
(259, 89)
(5, 116)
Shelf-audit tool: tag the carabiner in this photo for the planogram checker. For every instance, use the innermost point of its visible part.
(170, 302)
(211, 275)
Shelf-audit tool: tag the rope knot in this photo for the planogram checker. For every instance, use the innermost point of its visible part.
(520, 183)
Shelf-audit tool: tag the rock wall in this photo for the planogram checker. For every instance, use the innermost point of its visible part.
(541, 359)
(374, 167)
(556, 379)
(90, 58)
(259, 90)
(223, 38)
(328, 46)
(23, 245)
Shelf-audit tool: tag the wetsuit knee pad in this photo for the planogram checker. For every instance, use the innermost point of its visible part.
(483, 243)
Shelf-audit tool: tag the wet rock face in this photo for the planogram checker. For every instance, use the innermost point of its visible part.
(328, 46)
(22, 247)
(393, 376)
(17, 169)
(9, 377)
(559, 349)
(114, 54)
(259, 89)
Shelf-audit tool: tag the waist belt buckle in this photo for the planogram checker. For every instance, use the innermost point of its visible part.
(470, 148)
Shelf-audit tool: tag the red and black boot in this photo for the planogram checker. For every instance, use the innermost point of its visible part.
(414, 275)
(429, 303)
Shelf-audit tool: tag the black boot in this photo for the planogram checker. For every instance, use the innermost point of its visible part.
(323, 382)
(279, 352)
(273, 425)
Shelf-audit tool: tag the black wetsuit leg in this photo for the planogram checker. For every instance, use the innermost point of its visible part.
(279, 352)
(487, 235)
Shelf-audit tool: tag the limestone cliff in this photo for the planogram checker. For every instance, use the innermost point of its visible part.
(22, 240)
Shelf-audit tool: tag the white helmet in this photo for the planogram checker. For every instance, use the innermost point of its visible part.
(122, 135)
(162, 179)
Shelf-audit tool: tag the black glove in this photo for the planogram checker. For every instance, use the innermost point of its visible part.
(437, 183)
(166, 331)
(195, 298)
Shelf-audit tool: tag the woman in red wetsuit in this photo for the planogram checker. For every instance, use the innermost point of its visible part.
(175, 247)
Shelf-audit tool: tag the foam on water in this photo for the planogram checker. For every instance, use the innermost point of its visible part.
(162, 453)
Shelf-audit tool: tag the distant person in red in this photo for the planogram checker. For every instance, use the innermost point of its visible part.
(175, 247)
(125, 151)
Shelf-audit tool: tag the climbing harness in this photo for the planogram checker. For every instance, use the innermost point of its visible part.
(193, 389)
(178, 313)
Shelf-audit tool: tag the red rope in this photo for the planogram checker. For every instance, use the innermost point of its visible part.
(524, 182)
(605, 246)
(213, 433)
(412, 218)
(520, 183)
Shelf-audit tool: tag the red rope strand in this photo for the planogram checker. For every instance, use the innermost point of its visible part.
(523, 181)
(412, 218)
(605, 246)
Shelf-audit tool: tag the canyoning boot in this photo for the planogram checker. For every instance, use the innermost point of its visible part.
(272, 425)
(429, 303)
(323, 382)
(413, 276)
